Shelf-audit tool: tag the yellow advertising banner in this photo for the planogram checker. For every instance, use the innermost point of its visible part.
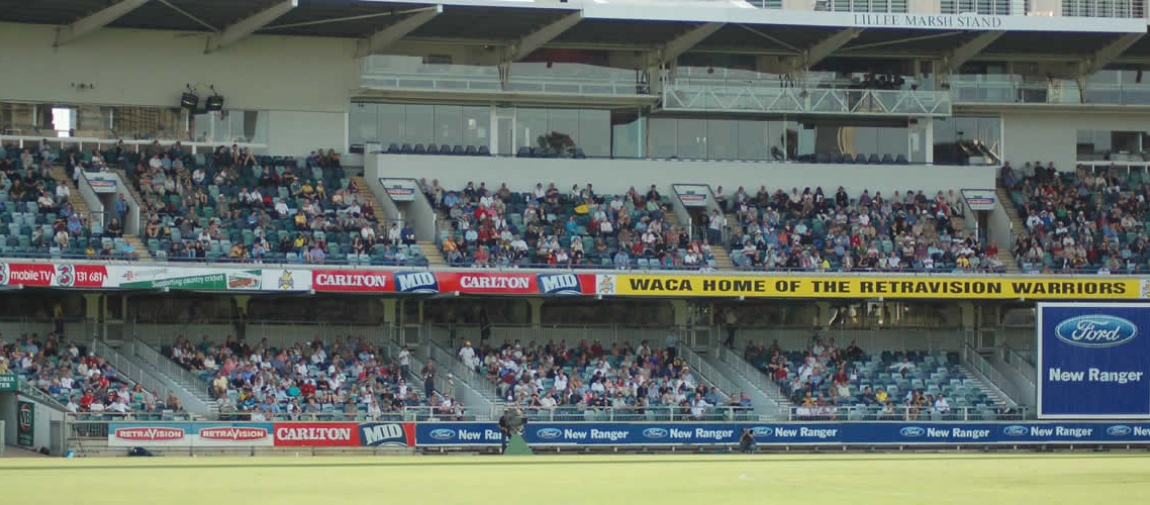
(848, 286)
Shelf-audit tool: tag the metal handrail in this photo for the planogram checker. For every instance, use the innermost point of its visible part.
(983, 369)
(473, 379)
(167, 366)
(125, 367)
(904, 413)
(708, 372)
(753, 375)
(1024, 367)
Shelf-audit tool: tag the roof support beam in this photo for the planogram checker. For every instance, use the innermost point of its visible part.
(95, 21)
(384, 38)
(539, 38)
(1108, 54)
(810, 56)
(681, 44)
(962, 54)
(247, 26)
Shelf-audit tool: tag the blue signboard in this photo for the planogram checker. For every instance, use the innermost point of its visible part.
(1093, 361)
(826, 433)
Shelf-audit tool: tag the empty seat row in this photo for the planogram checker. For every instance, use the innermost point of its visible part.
(444, 149)
(861, 159)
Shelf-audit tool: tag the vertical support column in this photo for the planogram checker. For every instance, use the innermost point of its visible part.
(388, 320)
(92, 316)
(536, 305)
(969, 318)
(928, 126)
(822, 314)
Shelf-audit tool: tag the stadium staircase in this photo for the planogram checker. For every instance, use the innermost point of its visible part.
(77, 201)
(711, 368)
(447, 383)
(131, 238)
(191, 390)
(983, 385)
(448, 362)
(754, 377)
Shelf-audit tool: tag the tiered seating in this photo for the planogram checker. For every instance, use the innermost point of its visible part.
(545, 228)
(561, 382)
(84, 382)
(36, 220)
(1081, 222)
(438, 150)
(346, 380)
(814, 231)
(233, 206)
(927, 374)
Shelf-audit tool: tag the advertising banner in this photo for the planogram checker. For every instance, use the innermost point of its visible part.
(692, 195)
(352, 281)
(400, 190)
(831, 286)
(64, 275)
(824, 433)
(317, 435)
(1093, 361)
(387, 434)
(9, 382)
(514, 283)
(190, 434)
(980, 199)
(25, 423)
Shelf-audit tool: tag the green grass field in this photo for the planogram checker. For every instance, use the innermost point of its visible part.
(859, 479)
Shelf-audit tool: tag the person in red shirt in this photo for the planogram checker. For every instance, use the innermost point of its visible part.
(86, 400)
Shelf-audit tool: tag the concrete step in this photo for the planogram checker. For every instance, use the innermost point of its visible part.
(141, 247)
(432, 253)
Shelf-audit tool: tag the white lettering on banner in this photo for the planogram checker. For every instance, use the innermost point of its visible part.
(472, 282)
(818, 433)
(377, 434)
(30, 275)
(313, 434)
(553, 283)
(234, 434)
(713, 434)
(362, 280)
(410, 281)
(1094, 375)
(927, 21)
(613, 436)
(574, 434)
(1141, 432)
(1088, 331)
(964, 433)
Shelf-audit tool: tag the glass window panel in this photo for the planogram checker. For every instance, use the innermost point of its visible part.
(530, 125)
(865, 140)
(892, 141)
(625, 139)
(663, 137)
(391, 124)
(476, 123)
(594, 134)
(363, 123)
(419, 124)
(752, 140)
(692, 138)
(722, 139)
(448, 129)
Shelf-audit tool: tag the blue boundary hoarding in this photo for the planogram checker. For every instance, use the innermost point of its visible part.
(1093, 361)
(817, 433)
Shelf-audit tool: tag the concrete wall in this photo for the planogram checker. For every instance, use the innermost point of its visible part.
(616, 176)
(305, 83)
(1036, 135)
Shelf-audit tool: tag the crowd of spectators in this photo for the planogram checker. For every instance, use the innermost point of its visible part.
(1088, 221)
(557, 376)
(812, 231)
(824, 379)
(545, 227)
(347, 378)
(80, 380)
(37, 213)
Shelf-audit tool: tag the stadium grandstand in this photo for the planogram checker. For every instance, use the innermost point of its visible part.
(240, 226)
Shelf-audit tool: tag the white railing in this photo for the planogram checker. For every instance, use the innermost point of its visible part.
(707, 372)
(904, 413)
(984, 370)
(758, 99)
(166, 366)
(89, 143)
(756, 377)
(451, 362)
(1020, 363)
(130, 370)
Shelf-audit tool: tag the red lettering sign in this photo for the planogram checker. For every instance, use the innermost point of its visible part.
(316, 435)
(149, 434)
(492, 283)
(362, 281)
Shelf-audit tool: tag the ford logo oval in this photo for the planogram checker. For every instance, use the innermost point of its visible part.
(762, 431)
(1096, 331)
(549, 433)
(912, 432)
(654, 433)
(442, 434)
(1015, 430)
(1119, 430)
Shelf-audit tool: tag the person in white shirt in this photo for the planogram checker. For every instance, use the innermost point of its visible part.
(699, 408)
(561, 382)
(96, 406)
(467, 355)
(72, 406)
(405, 361)
(941, 405)
(63, 193)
